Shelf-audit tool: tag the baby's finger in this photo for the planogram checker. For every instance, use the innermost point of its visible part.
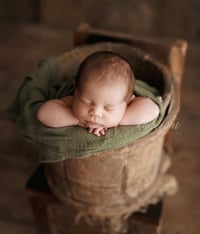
(96, 131)
(90, 130)
(102, 131)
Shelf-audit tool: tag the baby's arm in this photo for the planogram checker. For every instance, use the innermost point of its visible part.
(141, 110)
(57, 113)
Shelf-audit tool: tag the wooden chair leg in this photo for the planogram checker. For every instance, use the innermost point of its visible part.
(147, 223)
(177, 56)
(176, 63)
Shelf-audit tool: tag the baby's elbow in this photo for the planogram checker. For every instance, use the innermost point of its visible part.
(40, 115)
(151, 112)
(154, 113)
(44, 113)
(44, 118)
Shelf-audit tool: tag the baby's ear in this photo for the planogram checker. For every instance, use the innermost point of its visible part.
(131, 98)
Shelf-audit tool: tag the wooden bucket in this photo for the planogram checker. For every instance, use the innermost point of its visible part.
(119, 181)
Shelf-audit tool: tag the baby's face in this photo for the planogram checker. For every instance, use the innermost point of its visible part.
(99, 106)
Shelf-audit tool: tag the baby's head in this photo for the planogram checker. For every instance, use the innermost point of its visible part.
(106, 68)
(104, 87)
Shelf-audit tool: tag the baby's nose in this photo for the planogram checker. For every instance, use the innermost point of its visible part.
(96, 112)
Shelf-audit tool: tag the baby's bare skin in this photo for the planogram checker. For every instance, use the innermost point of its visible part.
(139, 111)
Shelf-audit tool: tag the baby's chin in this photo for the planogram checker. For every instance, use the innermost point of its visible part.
(91, 124)
(102, 125)
(94, 124)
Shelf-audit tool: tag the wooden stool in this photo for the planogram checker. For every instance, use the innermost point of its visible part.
(50, 214)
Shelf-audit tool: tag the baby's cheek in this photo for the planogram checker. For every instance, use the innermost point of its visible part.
(118, 117)
(113, 121)
(78, 109)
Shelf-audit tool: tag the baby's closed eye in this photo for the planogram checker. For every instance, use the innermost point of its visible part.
(86, 102)
(109, 108)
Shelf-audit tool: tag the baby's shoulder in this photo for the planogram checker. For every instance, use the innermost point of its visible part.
(67, 100)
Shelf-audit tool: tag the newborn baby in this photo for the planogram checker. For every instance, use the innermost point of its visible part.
(103, 98)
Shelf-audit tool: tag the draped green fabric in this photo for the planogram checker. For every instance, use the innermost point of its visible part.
(74, 141)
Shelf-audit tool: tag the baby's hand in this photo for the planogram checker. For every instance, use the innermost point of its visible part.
(98, 131)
